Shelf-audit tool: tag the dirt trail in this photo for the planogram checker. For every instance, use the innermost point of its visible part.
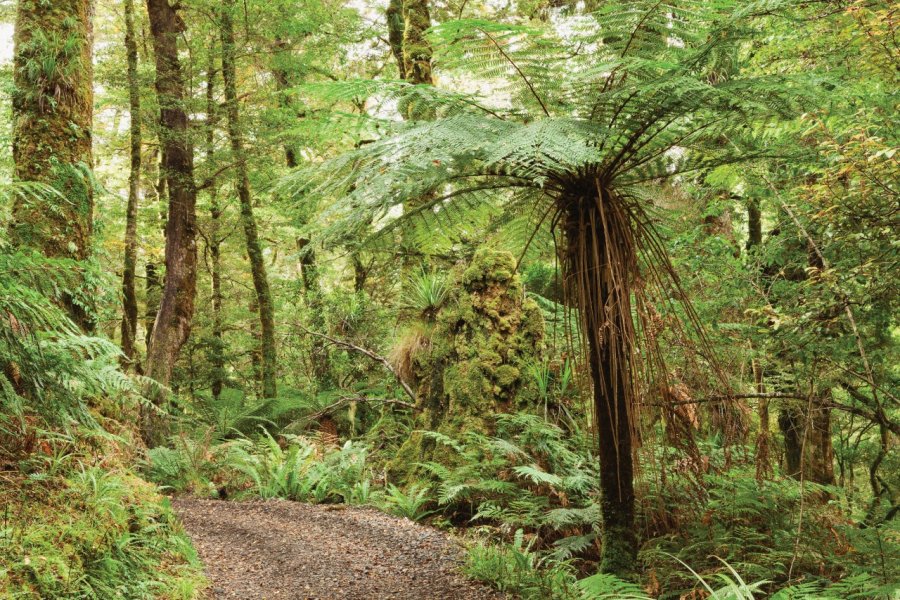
(287, 550)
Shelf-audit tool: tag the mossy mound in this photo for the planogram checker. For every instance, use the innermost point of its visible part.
(483, 338)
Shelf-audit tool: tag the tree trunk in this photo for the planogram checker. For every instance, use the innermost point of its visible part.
(176, 310)
(808, 451)
(416, 69)
(312, 288)
(309, 271)
(763, 438)
(52, 120)
(254, 248)
(283, 84)
(754, 223)
(790, 422)
(821, 451)
(153, 291)
(129, 295)
(416, 49)
(600, 263)
(395, 25)
(216, 352)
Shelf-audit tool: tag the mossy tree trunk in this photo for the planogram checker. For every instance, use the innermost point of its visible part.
(416, 48)
(468, 356)
(52, 120)
(283, 84)
(395, 25)
(268, 357)
(416, 53)
(309, 270)
(176, 310)
(808, 451)
(600, 264)
(129, 294)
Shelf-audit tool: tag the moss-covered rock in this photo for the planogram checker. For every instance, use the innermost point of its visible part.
(482, 339)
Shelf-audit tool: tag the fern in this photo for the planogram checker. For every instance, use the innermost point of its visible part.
(608, 587)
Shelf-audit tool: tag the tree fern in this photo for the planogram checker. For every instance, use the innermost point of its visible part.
(585, 117)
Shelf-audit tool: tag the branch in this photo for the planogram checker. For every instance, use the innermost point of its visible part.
(368, 353)
(346, 399)
(209, 181)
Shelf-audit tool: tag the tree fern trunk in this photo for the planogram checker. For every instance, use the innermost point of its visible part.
(600, 264)
(129, 295)
(254, 248)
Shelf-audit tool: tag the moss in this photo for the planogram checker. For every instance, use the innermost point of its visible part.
(52, 113)
(482, 339)
(91, 528)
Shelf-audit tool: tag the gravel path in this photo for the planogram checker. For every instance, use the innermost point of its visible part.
(287, 550)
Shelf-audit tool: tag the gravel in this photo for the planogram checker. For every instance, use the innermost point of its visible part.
(287, 550)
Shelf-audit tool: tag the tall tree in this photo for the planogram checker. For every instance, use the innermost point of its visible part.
(129, 294)
(52, 114)
(268, 357)
(176, 309)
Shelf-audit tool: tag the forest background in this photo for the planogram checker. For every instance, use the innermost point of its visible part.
(599, 286)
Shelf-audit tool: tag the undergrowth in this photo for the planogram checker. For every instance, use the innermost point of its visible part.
(75, 520)
(526, 497)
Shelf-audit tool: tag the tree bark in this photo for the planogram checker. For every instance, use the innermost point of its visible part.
(52, 120)
(129, 295)
(754, 224)
(283, 84)
(416, 69)
(173, 321)
(808, 451)
(763, 438)
(268, 357)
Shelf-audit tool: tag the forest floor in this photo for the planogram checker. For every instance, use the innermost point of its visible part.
(287, 550)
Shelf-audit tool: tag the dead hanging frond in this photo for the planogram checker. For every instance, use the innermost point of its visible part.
(617, 273)
(600, 266)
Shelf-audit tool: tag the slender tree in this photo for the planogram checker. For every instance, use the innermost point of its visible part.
(394, 14)
(214, 241)
(52, 122)
(176, 309)
(268, 357)
(129, 294)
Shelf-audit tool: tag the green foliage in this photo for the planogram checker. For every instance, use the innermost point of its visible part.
(289, 467)
(516, 569)
(93, 533)
(603, 586)
(530, 476)
(427, 293)
(51, 367)
(409, 504)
